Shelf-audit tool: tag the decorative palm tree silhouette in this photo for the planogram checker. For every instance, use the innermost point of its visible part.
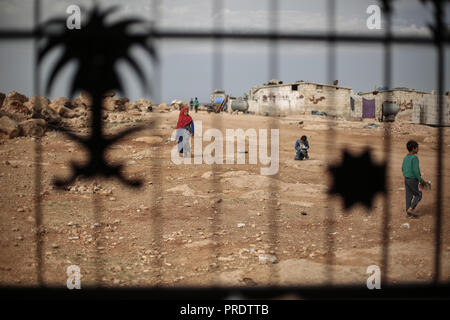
(97, 48)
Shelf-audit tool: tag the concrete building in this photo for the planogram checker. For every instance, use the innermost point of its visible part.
(403, 97)
(279, 99)
(426, 110)
(301, 97)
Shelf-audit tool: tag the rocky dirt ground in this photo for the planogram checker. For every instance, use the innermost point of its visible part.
(202, 225)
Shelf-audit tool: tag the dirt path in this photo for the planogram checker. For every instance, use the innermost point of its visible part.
(189, 226)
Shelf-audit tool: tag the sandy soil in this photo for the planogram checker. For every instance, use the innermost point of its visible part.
(202, 225)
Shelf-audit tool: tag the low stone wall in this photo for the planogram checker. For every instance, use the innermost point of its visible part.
(426, 110)
(355, 107)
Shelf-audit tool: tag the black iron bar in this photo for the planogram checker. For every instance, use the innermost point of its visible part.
(331, 142)
(439, 36)
(387, 145)
(238, 35)
(37, 158)
(273, 236)
(217, 83)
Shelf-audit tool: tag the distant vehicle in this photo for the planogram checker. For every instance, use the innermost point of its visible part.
(218, 101)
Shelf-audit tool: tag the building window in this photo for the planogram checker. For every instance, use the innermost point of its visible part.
(319, 88)
(294, 87)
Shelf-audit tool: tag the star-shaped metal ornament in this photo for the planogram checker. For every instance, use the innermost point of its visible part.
(357, 179)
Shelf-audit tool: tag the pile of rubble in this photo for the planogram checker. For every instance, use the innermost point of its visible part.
(23, 116)
(178, 105)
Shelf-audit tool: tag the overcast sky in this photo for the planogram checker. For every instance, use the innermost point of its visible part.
(186, 67)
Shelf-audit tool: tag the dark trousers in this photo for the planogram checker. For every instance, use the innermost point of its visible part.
(301, 154)
(412, 190)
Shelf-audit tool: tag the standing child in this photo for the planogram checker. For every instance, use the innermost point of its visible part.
(196, 103)
(302, 146)
(411, 172)
(185, 128)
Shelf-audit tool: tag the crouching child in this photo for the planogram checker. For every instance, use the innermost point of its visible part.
(302, 146)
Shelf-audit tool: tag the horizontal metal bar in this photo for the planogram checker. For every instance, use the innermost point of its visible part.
(399, 291)
(313, 37)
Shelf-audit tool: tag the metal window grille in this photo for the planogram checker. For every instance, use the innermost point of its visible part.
(217, 36)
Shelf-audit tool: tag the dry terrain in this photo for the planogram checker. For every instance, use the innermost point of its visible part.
(201, 225)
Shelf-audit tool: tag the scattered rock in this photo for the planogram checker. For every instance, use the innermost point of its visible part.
(207, 175)
(267, 258)
(371, 126)
(78, 104)
(86, 99)
(114, 103)
(405, 225)
(184, 189)
(36, 103)
(64, 111)
(2, 98)
(225, 259)
(33, 127)
(61, 102)
(241, 225)
(50, 115)
(201, 243)
(163, 107)
(14, 106)
(149, 140)
(141, 105)
(116, 268)
(9, 127)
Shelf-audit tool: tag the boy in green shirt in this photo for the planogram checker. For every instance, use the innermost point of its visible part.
(196, 104)
(411, 172)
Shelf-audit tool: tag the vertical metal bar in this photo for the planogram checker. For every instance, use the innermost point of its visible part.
(273, 49)
(387, 141)
(331, 72)
(273, 124)
(439, 31)
(96, 204)
(156, 163)
(217, 83)
(37, 154)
